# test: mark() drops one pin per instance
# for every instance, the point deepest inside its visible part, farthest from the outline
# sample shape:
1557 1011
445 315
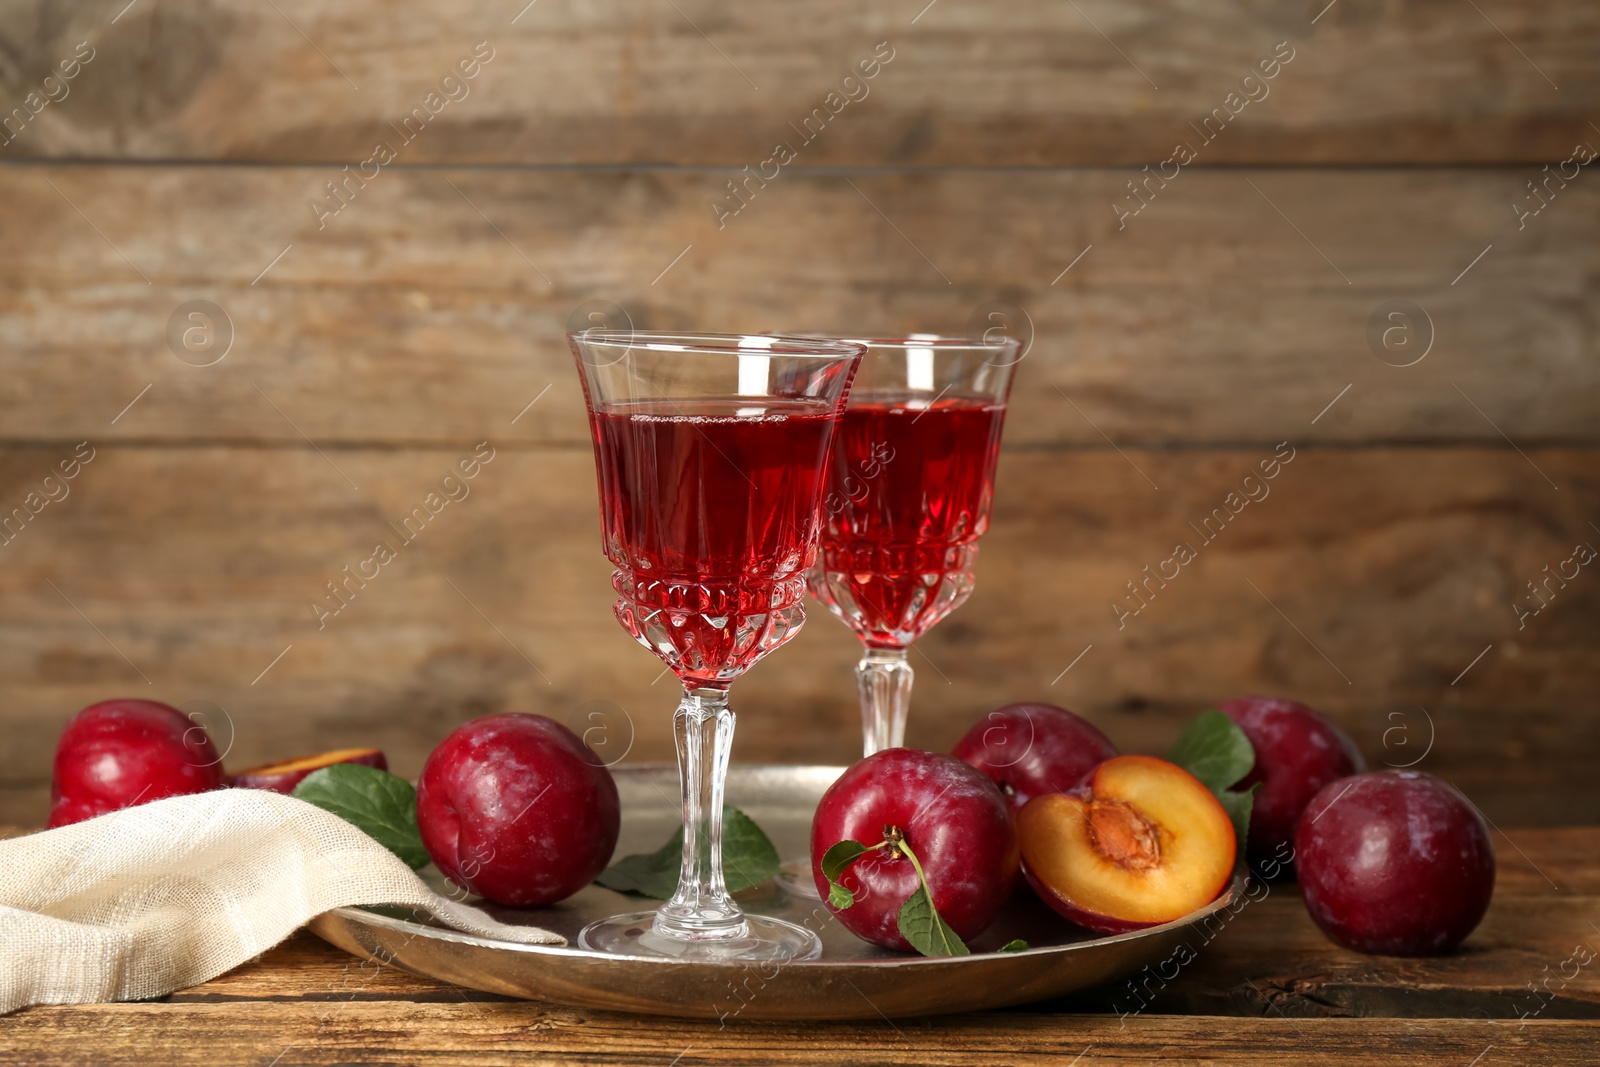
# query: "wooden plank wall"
1183 331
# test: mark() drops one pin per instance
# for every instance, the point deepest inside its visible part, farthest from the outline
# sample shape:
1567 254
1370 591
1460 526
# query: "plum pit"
1124 836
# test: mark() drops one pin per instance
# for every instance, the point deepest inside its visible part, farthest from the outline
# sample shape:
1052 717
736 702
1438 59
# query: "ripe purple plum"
1396 863
1030 750
518 809
1298 751
119 753
953 818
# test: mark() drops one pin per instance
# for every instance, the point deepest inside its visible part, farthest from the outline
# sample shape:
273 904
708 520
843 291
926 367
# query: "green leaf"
748 858
748 855
921 924
380 804
1214 750
1217 752
840 856
648 874
834 861
1238 806
1018 945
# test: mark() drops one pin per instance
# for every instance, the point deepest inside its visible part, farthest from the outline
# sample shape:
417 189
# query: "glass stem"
884 678
701 909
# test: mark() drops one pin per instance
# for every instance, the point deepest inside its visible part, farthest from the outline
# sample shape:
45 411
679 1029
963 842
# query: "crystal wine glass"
912 478
711 453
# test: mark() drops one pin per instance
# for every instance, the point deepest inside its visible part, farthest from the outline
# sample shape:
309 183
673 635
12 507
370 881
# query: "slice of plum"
283 776
1143 842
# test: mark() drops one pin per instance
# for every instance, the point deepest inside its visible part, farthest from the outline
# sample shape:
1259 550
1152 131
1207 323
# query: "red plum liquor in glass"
710 452
911 482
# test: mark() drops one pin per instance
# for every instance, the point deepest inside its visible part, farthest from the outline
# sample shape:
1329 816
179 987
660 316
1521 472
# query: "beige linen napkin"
169 894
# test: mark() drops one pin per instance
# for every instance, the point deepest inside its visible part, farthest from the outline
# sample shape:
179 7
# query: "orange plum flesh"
1142 843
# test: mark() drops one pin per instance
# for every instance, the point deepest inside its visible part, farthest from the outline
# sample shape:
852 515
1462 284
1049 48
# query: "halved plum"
1143 842
283 776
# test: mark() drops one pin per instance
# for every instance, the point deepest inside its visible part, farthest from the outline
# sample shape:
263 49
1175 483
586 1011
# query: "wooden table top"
1524 989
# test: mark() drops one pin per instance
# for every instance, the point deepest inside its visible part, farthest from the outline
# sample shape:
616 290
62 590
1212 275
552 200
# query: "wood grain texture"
433 306
1499 975
1526 960
1368 583
488 1033
1032 83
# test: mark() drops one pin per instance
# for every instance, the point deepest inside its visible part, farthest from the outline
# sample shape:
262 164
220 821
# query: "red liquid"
710 512
909 497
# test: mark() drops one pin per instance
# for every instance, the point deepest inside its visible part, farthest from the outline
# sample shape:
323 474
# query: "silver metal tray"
852 980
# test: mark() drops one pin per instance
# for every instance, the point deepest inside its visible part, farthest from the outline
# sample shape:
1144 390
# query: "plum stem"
905 847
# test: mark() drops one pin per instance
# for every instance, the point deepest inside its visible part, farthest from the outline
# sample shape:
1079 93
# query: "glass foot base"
633 934
795 879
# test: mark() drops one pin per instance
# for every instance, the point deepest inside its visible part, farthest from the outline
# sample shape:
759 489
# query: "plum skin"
1298 751
1032 749
517 809
1100 924
119 753
954 818
1395 863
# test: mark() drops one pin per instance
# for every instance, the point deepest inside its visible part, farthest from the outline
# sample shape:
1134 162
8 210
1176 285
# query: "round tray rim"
874 984
365 917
